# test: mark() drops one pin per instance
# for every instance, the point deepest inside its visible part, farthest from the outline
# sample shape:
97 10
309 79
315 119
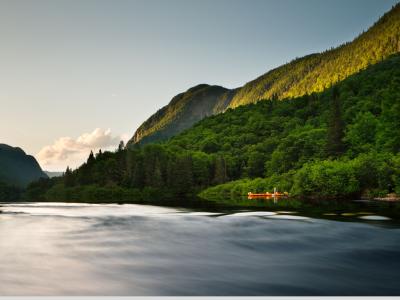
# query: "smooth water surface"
110 249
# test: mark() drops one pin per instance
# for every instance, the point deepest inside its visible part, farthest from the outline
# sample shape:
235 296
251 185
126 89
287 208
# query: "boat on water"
275 194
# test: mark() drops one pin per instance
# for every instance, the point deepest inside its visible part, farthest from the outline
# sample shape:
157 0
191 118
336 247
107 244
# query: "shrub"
326 179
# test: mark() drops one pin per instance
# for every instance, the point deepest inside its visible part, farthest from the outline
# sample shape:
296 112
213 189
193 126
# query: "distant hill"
18 168
53 174
312 73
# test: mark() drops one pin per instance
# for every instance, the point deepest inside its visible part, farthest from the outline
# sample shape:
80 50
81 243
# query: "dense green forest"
304 75
9 192
316 72
341 143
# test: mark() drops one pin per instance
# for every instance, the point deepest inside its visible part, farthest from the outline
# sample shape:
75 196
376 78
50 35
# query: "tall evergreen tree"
180 175
68 178
156 179
121 146
335 145
138 176
220 174
91 158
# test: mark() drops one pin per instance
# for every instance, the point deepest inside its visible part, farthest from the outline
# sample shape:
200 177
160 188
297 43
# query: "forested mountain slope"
317 72
312 73
343 142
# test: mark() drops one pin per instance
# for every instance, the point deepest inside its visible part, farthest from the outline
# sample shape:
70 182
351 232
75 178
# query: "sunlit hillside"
312 73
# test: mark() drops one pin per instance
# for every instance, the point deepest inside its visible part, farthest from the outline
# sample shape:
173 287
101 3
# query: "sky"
82 75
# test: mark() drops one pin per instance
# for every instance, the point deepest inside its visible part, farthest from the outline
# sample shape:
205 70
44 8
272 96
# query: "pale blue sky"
68 67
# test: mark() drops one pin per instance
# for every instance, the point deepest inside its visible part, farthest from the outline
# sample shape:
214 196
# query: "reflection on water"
88 249
375 218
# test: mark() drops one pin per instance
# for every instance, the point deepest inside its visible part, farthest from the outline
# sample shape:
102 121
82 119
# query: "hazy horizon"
84 75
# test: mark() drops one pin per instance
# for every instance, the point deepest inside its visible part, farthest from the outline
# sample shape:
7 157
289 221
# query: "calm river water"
90 249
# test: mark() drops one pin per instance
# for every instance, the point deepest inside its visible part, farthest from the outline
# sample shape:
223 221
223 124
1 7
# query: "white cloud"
126 137
67 151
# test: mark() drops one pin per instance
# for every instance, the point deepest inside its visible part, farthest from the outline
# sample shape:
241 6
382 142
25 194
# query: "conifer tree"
156 179
68 178
220 175
335 146
121 146
91 158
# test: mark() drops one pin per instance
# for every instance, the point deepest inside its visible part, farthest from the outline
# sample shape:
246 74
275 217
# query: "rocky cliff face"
182 112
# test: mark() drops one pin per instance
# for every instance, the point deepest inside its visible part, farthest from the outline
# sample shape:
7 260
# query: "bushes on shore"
368 175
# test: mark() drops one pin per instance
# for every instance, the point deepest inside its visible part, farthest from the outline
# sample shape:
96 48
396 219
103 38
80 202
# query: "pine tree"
335 145
180 177
121 146
156 179
138 177
68 178
91 158
220 175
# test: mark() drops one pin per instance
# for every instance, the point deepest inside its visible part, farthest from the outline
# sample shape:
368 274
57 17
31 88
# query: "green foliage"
220 172
316 72
302 76
239 188
260 146
396 174
92 193
370 174
9 192
366 165
361 135
334 145
296 149
326 179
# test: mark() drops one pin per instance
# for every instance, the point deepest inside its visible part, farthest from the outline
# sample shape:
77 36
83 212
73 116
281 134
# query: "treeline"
368 175
343 142
10 192
153 173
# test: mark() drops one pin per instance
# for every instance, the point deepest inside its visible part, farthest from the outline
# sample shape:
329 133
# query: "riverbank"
389 198
345 210
319 208
220 201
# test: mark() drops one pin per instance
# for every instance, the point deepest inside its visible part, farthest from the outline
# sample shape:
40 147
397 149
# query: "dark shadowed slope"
182 112
18 168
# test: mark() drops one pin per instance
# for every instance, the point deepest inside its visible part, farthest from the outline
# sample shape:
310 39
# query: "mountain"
312 73
343 142
18 168
316 72
182 112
